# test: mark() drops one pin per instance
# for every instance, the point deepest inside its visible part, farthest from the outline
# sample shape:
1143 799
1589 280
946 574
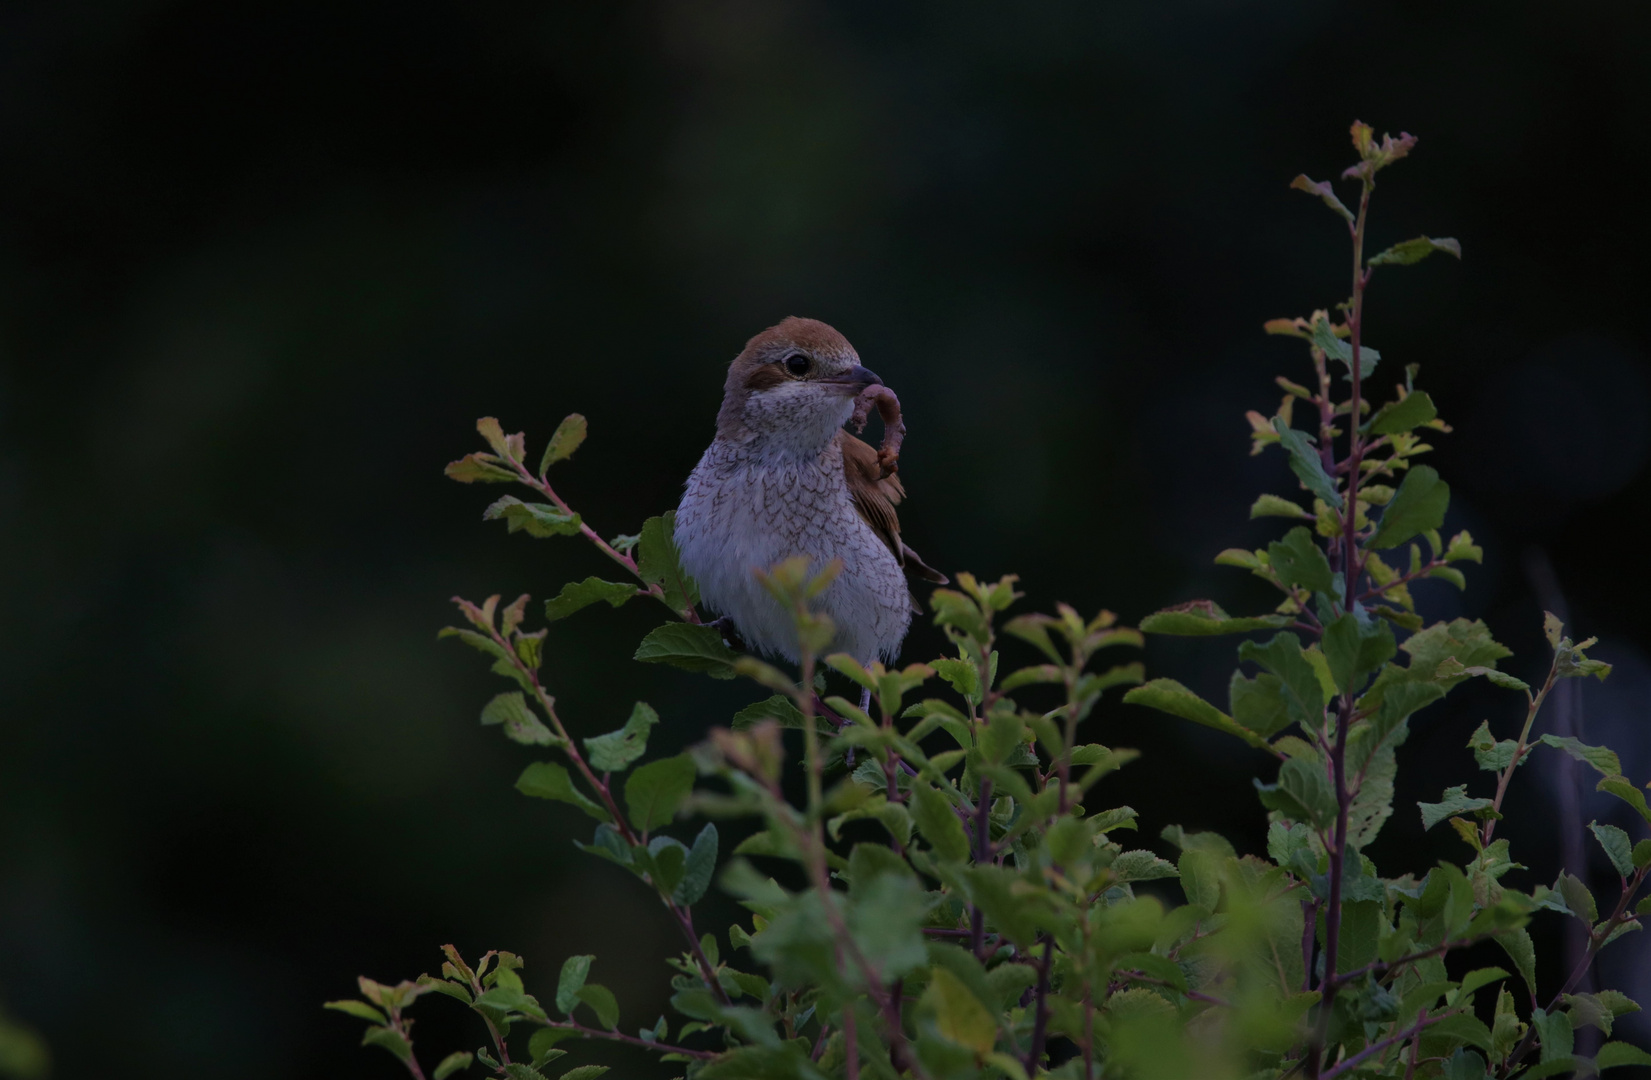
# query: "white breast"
752 504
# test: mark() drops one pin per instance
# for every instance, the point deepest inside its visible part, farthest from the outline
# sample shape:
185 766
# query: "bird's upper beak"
854 380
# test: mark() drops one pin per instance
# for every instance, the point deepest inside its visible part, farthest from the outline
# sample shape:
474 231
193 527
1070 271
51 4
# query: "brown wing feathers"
875 497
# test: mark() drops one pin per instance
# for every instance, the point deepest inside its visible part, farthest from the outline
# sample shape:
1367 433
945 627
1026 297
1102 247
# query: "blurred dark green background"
262 265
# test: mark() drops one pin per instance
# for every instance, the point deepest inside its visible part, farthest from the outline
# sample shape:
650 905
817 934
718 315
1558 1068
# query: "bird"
784 478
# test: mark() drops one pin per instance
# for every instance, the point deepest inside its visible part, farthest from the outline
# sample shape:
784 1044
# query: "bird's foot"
730 634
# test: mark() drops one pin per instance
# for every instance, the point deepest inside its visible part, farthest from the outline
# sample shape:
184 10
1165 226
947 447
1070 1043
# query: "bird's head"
795 382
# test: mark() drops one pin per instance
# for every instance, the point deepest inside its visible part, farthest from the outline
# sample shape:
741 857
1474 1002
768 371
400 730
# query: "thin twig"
619 1036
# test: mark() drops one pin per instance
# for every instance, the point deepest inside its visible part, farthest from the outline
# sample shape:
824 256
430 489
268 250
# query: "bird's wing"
875 497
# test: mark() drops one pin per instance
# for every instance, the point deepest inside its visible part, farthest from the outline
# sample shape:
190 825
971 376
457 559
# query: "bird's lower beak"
855 379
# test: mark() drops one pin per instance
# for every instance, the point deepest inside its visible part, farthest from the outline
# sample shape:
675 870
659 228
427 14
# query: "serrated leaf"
939 825
1337 349
615 751
535 519
569 434
1355 649
1299 685
479 468
577 595
1618 847
390 1039
1454 801
1602 758
1322 189
457 1061
1302 793
575 969
1616 1054
585 1072
1205 618
1407 252
1417 506
1623 788
1492 754
1167 695
520 723
1411 411
1298 560
1478 978
602 1003
699 868
1142 865
1306 464
958 1014
1517 944
358 1009
655 790
689 647
659 563
1277 506
548 780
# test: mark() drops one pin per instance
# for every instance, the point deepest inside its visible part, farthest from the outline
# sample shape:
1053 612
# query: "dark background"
262 265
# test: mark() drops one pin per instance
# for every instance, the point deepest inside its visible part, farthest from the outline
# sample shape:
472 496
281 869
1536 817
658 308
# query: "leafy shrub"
986 920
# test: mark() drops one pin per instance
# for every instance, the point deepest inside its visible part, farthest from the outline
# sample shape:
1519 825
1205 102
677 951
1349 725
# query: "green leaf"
1466 641
576 595
1464 1064
571 981
536 519
1204 618
1337 349
778 708
1554 1031
479 468
689 647
520 723
358 1009
1491 754
700 867
1303 793
1622 788
390 1039
1480 977
569 434
1615 1054
1517 944
1618 847
1298 561
1411 411
960 674
1642 854
1602 758
585 1072
1142 865
939 824
655 790
1277 506
1455 801
457 1061
548 780
1322 189
1257 704
659 563
1299 687
958 1014
1414 251
1356 648
1167 695
615 751
602 1003
1306 464
1418 505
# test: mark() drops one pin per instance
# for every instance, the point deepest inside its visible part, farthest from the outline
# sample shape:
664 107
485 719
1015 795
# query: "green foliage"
955 904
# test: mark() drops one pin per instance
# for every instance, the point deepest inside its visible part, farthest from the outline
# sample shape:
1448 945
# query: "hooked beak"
854 380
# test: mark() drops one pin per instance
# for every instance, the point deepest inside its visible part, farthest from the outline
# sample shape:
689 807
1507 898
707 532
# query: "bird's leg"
730 633
865 707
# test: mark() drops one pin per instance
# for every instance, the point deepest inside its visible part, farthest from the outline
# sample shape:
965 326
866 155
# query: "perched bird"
784 478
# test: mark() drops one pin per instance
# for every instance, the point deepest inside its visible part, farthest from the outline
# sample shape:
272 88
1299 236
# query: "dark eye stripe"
765 377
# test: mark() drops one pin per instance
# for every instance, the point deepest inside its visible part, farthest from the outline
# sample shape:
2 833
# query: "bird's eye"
797 364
